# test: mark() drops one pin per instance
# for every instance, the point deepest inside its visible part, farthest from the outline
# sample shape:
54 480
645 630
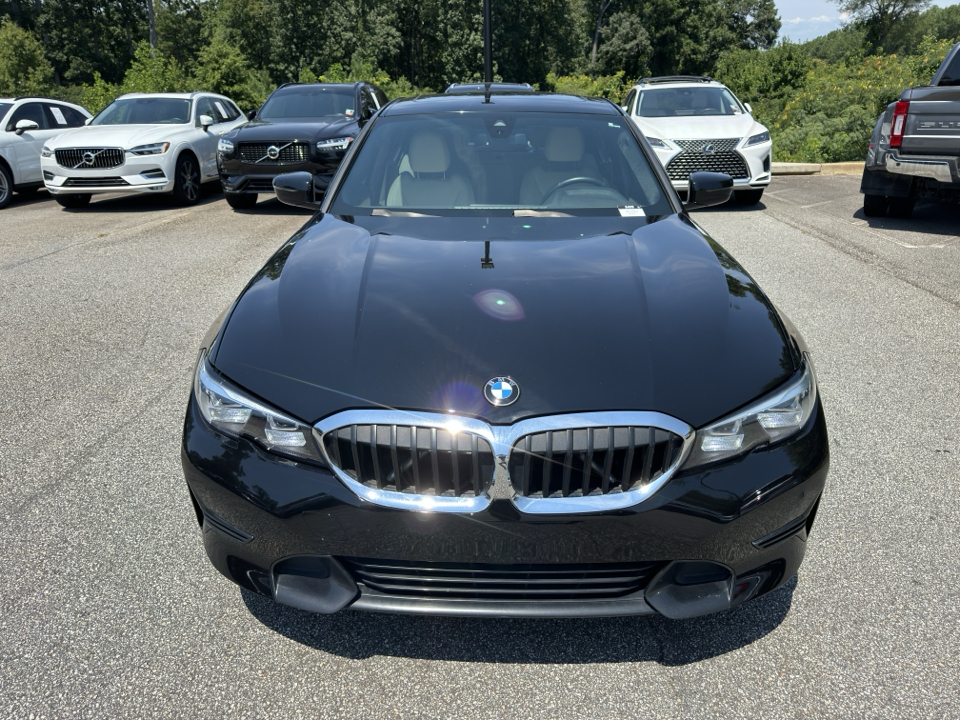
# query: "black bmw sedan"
502 372
305 127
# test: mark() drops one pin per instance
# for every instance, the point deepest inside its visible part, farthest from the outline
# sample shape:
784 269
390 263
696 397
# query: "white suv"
695 123
141 143
26 123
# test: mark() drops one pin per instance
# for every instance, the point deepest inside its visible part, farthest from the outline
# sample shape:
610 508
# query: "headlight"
774 418
757 139
232 412
46 152
335 143
657 143
154 149
224 146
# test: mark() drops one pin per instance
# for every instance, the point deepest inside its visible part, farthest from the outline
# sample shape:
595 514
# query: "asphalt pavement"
109 607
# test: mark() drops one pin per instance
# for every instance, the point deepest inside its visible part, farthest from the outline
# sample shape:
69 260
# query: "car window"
628 103
496 163
61 116
225 109
205 107
382 98
145 111
28 111
952 74
687 100
307 102
4 107
368 105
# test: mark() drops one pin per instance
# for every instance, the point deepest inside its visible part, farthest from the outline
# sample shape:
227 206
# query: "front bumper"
756 158
244 177
147 174
295 533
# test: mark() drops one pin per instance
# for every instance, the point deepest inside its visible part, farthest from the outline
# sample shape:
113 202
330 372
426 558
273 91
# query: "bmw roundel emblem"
501 391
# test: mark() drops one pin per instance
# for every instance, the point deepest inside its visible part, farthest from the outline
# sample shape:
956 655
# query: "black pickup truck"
915 147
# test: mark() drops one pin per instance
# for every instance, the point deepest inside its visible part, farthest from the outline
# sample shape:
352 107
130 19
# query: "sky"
806 19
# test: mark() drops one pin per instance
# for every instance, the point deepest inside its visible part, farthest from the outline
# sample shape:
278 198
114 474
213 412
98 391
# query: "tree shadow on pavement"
646 638
140 202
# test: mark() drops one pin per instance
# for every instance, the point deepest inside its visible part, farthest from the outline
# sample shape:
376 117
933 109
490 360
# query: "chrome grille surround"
723 158
284 153
98 158
502 439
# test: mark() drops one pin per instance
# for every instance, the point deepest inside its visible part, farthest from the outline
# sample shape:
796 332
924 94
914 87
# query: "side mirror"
205 121
88 121
251 114
296 189
749 109
708 189
25 125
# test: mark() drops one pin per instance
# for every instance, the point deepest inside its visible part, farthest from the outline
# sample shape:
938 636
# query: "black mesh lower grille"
259 185
591 461
480 581
419 460
723 161
95 182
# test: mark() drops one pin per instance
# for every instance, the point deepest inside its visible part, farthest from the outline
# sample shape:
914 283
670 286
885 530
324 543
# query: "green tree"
222 68
624 46
880 17
23 68
151 72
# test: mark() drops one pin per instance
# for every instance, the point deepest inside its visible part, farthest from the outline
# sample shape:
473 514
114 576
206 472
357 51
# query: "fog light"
686 589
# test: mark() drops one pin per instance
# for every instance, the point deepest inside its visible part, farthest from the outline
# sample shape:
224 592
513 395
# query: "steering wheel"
572 181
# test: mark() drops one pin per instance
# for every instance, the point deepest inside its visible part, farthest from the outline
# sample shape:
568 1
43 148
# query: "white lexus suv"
141 143
695 123
26 123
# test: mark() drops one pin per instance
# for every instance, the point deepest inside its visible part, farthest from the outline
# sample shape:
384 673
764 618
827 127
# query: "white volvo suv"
141 143
26 123
695 123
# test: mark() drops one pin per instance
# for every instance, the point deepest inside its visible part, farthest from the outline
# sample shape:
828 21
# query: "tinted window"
145 111
497 163
628 103
952 74
309 101
226 109
205 107
3 108
28 111
682 101
63 116
369 105
381 96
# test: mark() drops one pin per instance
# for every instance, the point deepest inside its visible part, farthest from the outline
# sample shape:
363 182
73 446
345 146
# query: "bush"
609 86
23 68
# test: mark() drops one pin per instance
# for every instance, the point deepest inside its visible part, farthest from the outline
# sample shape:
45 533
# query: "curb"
843 168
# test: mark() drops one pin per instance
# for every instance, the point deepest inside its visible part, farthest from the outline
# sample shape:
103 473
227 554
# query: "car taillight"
899 123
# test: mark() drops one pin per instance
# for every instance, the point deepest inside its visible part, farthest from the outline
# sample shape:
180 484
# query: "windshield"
144 111
682 101
501 163
308 102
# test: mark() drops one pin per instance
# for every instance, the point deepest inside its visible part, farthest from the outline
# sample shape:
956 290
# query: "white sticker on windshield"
58 114
223 113
631 211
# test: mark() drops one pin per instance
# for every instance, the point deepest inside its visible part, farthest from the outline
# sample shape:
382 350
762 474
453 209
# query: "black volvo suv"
300 127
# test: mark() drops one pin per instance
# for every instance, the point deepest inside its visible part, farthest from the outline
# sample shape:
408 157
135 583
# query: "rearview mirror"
25 125
206 121
708 189
297 189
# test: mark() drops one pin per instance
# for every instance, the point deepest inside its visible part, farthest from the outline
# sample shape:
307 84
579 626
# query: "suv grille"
591 461
288 153
478 581
723 159
418 460
89 158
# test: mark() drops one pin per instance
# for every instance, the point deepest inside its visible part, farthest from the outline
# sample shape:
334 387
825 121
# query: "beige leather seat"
564 156
428 184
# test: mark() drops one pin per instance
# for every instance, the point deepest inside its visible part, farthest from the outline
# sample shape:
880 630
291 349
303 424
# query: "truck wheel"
874 205
73 201
747 197
902 207
241 201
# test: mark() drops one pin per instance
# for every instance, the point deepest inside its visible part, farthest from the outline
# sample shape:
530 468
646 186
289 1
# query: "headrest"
564 144
428 153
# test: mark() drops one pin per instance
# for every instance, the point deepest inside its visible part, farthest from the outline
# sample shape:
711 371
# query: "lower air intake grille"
709 156
476 581
90 157
95 182
591 461
418 460
259 185
283 153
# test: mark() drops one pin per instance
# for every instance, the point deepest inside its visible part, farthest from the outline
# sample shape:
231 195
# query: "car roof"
290 86
515 102
36 97
675 81
176 96
490 87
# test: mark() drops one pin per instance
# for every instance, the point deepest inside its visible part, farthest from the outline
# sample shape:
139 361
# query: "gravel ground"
109 608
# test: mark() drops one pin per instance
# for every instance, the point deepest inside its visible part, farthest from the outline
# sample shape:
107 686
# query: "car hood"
125 136
707 127
268 131
660 318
